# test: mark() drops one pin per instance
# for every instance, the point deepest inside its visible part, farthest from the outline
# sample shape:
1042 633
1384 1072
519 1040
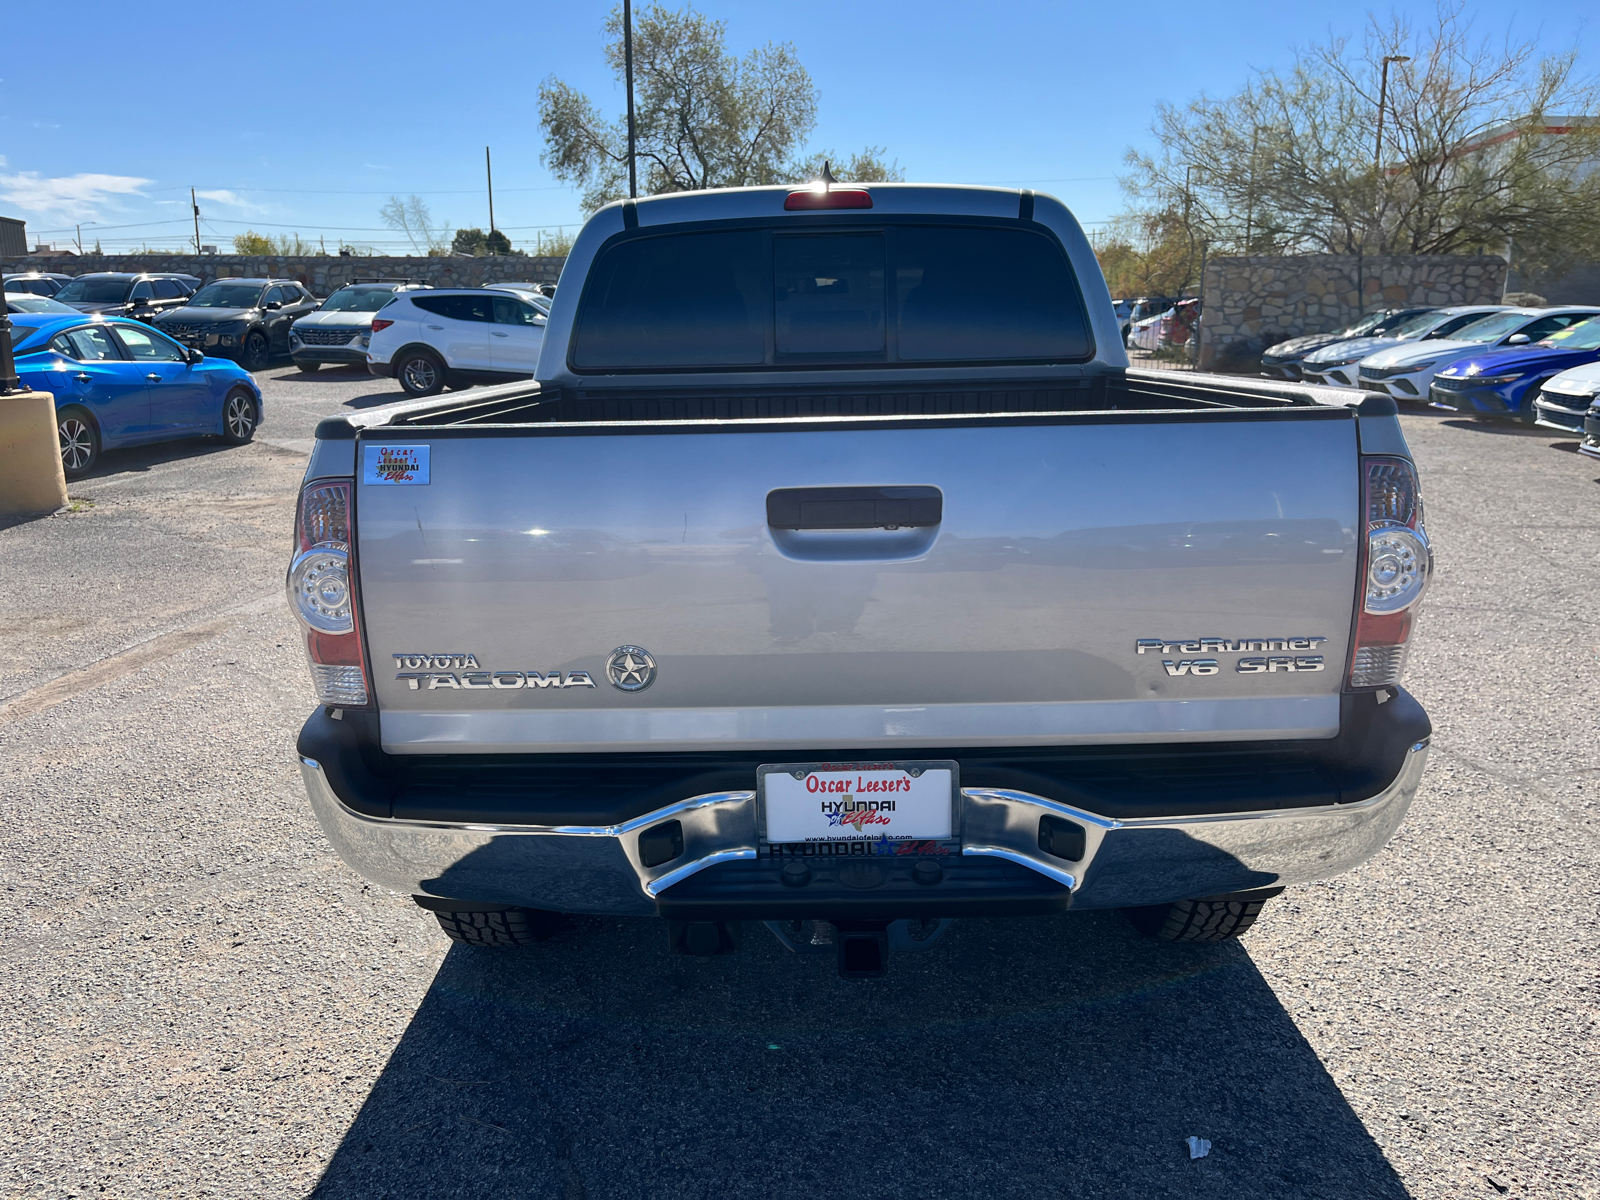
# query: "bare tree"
1482 142
703 118
412 218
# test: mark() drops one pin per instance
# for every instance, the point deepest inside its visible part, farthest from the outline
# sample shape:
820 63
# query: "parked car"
39 283
1142 309
1406 371
128 294
118 382
246 320
338 331
1565 400
1335 363
21 302
1591 432
1282 359
1502 383
528 291
695 627
455 336
1171 328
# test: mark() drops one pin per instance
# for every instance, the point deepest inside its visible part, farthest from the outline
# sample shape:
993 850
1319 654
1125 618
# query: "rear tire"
1214 920
420 374
80 442
504 927
309 367
238 417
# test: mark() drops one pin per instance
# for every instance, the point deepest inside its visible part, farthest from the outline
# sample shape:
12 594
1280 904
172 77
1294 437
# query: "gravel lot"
204 1002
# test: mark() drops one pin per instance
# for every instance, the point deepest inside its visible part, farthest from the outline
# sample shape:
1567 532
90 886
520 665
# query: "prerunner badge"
870 802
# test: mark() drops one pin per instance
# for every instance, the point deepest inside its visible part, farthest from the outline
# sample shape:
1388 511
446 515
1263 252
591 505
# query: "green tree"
557 244
1147 254
290 245
704 118
251 242
470 241
1289 164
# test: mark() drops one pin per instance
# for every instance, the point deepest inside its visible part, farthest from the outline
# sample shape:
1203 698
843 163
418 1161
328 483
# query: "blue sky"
306 117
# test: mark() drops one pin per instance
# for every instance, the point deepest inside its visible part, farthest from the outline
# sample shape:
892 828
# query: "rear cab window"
830 296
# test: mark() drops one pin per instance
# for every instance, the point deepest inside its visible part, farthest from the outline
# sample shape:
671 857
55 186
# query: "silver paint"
1014 625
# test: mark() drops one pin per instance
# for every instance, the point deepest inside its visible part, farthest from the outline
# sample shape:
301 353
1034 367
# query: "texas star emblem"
631 668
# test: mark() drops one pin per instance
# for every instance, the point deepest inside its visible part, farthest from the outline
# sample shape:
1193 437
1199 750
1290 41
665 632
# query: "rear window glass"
457 308
906 294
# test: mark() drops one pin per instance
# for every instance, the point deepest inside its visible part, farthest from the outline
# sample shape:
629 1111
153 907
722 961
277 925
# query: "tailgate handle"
855 507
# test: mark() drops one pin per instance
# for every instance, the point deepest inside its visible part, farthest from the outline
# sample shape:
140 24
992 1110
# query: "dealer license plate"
882 802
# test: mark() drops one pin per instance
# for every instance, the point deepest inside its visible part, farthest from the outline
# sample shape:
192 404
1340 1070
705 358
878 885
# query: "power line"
384 192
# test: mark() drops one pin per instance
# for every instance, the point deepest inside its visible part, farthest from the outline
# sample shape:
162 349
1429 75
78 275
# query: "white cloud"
230 198
71 197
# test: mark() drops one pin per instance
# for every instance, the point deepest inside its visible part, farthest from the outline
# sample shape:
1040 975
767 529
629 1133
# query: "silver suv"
338 331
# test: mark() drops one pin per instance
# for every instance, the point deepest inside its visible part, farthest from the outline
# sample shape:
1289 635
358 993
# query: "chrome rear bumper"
598 869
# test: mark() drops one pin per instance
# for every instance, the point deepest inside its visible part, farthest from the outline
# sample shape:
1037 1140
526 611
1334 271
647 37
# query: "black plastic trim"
1132 416
754 890
1162 780
335 429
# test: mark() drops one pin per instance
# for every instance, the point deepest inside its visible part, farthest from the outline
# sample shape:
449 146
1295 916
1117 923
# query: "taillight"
320 593
377 324
812 198
1396 562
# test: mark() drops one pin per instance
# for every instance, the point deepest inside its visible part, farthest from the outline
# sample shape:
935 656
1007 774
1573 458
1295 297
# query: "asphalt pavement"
201 1000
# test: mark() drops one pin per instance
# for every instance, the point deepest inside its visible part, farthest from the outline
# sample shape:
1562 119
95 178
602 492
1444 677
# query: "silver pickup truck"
837 573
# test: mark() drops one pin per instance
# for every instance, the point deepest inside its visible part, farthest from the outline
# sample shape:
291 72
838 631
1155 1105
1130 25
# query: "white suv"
455 336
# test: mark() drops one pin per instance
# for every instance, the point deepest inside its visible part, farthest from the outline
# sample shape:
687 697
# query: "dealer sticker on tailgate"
394 464
856 802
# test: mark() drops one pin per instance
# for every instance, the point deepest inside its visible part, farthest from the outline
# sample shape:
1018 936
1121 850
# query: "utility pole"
195 204
1250 198
1383 100
80 241
627 66
488 171
1377 162
1188 229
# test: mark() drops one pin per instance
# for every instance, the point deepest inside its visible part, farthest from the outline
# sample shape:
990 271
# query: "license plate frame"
922 833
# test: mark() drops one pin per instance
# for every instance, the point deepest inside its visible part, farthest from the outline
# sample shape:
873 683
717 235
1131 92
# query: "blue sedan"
1503 383
118 382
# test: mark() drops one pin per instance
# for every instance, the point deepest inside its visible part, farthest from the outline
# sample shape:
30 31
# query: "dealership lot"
204 1001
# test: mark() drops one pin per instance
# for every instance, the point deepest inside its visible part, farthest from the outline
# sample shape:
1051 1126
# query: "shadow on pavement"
327 374
142 458
1052 1056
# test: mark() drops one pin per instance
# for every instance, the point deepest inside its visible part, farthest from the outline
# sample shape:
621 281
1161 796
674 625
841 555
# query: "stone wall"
321 273
1572 281
1250 303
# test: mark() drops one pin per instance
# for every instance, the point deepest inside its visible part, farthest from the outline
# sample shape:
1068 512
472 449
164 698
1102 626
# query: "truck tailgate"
916 582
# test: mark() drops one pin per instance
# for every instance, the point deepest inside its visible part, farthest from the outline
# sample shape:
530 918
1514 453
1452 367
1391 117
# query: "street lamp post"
1383 100
1377 164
